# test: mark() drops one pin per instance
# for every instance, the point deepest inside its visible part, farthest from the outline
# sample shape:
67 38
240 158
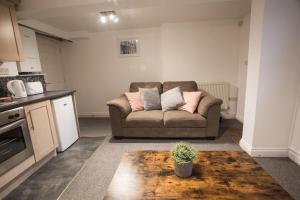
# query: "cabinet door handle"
32 126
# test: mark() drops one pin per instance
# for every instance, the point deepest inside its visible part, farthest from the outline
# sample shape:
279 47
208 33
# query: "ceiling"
82 15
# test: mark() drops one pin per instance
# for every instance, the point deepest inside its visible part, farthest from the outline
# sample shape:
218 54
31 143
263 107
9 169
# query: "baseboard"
294 156
264 152
270 152
93 115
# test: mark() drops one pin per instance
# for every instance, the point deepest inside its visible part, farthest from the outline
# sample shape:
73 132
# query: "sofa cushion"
150 98
135 101
146 119
191 100
185 86
134 86
183 119
171 99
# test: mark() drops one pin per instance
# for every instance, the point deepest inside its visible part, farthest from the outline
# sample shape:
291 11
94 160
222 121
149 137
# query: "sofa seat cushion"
146 119
183 119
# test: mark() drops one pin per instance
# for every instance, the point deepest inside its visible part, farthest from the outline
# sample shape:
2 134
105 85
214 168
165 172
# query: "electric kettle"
16 88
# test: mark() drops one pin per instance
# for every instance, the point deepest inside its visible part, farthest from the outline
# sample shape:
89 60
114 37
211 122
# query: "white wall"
201 51
294 144
94 68
242 71
206 51
273 77
254 54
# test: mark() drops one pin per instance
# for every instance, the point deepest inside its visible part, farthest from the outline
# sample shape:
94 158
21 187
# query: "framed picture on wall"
129 47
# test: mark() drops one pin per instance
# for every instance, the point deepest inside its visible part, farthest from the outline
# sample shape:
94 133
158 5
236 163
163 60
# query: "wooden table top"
216 175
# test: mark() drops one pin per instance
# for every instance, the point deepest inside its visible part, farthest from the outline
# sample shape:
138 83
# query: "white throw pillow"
171 99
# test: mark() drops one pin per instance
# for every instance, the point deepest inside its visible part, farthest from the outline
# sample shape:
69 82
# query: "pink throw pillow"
191 100
135 101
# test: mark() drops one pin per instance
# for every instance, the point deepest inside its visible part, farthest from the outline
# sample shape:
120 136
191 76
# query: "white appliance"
66 125
16 88
33 88
31 61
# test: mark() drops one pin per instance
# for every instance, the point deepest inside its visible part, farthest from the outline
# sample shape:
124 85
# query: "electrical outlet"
4 71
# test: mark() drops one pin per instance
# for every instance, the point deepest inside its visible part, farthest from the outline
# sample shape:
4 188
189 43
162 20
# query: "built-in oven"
15 143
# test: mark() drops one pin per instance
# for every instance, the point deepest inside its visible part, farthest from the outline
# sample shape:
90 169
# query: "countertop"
49 95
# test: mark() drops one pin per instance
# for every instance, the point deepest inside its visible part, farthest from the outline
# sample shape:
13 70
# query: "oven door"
15 145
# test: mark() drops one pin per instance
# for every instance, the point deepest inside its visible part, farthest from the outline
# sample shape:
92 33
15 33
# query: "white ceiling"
81 15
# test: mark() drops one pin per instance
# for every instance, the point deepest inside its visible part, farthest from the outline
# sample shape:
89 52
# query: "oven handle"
11 126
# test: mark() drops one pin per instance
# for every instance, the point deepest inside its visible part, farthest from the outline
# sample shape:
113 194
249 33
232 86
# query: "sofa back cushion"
134 86
185 86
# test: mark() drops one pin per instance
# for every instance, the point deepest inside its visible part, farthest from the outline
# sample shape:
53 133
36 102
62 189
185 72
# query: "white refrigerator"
65 119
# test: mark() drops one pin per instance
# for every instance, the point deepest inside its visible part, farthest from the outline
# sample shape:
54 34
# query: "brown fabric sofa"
171 124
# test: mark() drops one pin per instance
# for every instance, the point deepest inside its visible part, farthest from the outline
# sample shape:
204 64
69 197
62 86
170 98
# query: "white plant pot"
183 170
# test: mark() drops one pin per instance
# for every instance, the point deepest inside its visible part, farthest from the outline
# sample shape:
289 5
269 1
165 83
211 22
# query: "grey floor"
94 177
51 179
93 180
94 127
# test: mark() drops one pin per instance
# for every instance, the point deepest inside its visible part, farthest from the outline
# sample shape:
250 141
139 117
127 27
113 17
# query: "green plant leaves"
183 153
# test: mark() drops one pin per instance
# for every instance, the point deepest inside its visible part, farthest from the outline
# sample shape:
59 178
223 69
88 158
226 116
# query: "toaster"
33 88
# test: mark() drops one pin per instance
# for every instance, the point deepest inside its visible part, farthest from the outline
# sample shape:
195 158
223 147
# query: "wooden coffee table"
216 175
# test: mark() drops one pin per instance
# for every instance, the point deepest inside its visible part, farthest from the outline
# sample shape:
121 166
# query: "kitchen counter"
34 99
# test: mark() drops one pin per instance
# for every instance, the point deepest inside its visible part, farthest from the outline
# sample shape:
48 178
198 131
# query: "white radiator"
219 90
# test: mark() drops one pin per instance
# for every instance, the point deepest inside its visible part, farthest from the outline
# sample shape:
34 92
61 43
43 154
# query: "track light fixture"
106 16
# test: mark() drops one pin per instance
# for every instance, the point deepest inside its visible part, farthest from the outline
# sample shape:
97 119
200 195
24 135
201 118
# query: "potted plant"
183 155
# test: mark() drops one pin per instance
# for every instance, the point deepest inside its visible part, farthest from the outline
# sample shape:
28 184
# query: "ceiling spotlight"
112 16
103 19
106 16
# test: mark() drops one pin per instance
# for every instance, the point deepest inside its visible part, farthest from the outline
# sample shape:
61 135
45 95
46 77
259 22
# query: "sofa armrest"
207 102
122 104
213 121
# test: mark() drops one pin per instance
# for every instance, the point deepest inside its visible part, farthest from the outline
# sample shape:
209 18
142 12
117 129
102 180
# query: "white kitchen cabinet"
31 62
